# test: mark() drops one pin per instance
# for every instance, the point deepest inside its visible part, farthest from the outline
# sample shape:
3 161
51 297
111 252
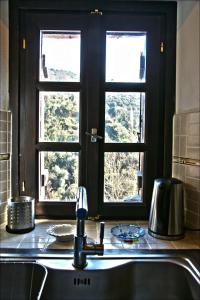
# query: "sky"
122 55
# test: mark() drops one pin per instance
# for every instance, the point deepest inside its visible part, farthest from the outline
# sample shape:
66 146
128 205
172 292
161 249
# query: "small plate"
62 232
128 232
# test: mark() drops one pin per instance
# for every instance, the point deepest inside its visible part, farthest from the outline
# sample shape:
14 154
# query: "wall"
186 143
4 54
5 116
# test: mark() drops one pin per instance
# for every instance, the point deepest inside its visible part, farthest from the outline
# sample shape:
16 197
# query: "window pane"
59 117
58 175
125 56
123 176
60 56
124 117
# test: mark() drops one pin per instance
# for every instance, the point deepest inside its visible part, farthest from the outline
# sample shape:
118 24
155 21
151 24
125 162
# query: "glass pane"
58 175
125 56
123 176
59 117
60 56
124 117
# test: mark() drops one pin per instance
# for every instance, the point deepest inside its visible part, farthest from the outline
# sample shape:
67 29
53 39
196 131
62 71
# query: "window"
95 105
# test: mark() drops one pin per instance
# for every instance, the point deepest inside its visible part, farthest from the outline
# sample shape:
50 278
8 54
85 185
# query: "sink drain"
82 281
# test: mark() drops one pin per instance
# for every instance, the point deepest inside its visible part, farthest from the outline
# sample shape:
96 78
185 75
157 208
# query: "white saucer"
62 232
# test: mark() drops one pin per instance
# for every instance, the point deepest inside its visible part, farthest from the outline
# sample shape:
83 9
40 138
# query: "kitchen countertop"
41 248
40 239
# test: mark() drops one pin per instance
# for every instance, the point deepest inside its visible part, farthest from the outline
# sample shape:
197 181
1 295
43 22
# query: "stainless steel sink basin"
143 277
123 279
21 280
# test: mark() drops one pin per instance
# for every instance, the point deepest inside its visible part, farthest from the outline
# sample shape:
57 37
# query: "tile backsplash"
5 152
186 163
39 238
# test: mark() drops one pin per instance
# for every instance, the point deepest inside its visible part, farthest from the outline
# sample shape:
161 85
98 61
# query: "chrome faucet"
81 247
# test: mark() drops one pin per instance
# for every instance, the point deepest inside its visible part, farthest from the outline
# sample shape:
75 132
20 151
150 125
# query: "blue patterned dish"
128 232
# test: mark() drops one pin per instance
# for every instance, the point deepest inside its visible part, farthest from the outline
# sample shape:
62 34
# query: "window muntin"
59 117
60 56
125 56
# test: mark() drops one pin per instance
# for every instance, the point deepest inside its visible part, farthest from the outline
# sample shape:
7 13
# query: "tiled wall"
5 146
186 163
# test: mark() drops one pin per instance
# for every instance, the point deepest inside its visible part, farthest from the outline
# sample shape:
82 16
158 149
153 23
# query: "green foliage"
61 124
61 75
61 117
63 175
120 175
122 117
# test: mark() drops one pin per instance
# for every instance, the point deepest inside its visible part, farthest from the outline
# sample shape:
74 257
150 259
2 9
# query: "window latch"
23 186
162 47
96 12
23 43
94 137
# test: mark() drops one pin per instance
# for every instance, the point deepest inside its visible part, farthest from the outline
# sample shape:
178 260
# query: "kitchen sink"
21 280
122 279
50 276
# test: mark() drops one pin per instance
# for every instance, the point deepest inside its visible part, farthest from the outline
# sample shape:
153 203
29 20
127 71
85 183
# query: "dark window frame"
166 9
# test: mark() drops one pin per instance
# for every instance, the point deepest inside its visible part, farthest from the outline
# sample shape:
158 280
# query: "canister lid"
22 199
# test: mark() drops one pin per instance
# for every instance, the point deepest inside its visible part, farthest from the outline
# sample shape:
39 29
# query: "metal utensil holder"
21 214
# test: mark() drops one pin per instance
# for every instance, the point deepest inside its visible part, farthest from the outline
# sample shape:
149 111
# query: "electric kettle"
166 219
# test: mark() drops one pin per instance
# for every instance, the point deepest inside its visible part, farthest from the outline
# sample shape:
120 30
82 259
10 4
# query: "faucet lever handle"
101 236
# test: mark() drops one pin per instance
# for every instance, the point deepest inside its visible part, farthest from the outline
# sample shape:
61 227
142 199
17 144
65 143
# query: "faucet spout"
81 247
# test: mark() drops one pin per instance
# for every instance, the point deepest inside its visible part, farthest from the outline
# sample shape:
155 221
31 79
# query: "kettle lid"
168 181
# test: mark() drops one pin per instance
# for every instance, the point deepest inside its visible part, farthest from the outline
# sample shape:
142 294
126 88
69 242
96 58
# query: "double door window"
91 111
